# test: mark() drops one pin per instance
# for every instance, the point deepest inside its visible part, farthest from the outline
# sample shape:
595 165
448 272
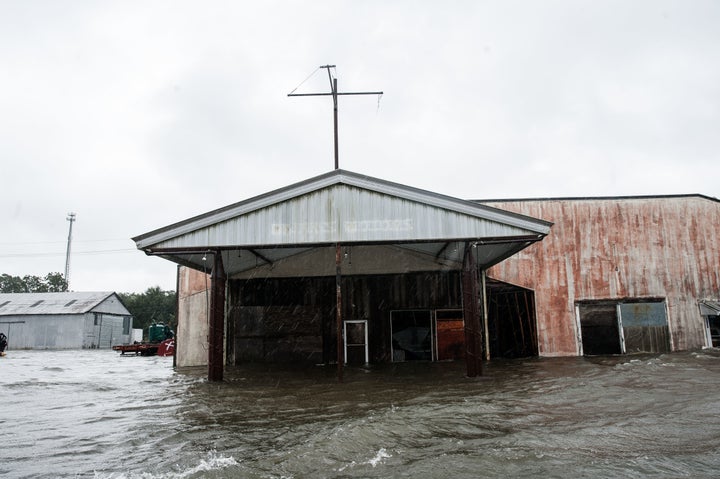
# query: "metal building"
615 275
339 268
89 320
619 274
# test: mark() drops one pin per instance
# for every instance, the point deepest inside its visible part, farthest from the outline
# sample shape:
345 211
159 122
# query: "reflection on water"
98 414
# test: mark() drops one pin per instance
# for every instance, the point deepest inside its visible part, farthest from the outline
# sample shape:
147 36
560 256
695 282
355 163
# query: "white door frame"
345 336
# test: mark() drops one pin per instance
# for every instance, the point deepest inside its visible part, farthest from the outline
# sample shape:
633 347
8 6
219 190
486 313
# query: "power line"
59 253
17 243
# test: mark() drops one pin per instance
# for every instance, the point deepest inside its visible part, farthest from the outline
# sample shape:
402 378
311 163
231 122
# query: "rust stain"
617 248
192 282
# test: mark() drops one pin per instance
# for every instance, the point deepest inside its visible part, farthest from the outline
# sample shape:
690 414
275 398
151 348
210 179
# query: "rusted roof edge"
602 198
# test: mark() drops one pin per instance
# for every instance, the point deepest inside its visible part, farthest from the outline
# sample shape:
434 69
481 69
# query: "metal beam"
262 257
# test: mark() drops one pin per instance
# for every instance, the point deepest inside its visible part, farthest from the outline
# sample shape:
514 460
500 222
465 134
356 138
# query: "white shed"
84 320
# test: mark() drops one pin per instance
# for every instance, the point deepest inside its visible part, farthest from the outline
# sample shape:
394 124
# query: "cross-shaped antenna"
335 93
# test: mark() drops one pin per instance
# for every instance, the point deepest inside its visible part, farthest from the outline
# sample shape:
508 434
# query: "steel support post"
217 319
338 311
471 313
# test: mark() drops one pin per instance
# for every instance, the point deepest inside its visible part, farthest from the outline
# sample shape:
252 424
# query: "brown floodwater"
98 414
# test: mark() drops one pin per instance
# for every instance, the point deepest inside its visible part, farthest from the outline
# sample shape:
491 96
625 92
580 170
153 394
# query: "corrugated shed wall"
662 247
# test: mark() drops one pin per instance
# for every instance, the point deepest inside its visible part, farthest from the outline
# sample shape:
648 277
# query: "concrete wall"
192 331
661 247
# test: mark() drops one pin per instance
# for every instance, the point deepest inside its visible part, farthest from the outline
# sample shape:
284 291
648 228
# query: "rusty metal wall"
616 248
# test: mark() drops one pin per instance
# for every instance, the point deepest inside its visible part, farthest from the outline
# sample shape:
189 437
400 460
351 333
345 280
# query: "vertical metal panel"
343 214
643 314
645 327
661 247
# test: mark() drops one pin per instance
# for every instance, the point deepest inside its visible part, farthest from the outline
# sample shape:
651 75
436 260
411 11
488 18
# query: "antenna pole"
335 117
335 93
71 219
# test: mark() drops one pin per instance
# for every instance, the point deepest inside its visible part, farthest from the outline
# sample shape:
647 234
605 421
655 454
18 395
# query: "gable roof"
17 304
308 213
341 207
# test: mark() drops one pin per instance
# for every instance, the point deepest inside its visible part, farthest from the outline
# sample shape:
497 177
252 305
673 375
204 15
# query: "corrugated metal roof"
16 304
347 208
342 206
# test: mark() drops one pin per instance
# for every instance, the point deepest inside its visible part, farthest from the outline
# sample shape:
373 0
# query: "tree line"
155 305
51 283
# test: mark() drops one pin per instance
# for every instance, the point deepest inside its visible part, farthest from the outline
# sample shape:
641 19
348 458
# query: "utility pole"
338 257
71 219
335 93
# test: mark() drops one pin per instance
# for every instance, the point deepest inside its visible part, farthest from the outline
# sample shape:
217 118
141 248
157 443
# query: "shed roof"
346 208
18 304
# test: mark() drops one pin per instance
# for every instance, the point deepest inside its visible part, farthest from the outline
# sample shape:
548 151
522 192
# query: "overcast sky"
135 115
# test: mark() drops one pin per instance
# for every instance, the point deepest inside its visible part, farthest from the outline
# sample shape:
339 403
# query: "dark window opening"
411 335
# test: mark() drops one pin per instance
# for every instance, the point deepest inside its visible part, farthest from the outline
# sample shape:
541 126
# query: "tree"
152 306
56 282
51 283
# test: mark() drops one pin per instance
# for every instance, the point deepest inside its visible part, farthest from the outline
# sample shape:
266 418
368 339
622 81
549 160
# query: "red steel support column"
471 314
338 312
217 320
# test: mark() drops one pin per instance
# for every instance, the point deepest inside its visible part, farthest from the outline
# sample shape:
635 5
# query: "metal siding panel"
328 182
643 314
619 248
343 214
45 332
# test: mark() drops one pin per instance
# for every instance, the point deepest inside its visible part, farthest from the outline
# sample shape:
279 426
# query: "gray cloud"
137 114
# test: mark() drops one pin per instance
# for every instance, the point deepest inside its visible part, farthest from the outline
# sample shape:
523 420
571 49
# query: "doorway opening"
599 329
512 325
713 326
356 342
629 326
411 333
449 334
710 310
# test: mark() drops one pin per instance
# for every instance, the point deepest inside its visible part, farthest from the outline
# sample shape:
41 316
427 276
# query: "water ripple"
95 414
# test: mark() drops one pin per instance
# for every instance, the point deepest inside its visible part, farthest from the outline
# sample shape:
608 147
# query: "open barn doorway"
600 328
512 325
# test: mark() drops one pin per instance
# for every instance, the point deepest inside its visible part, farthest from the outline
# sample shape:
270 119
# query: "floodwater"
101 415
